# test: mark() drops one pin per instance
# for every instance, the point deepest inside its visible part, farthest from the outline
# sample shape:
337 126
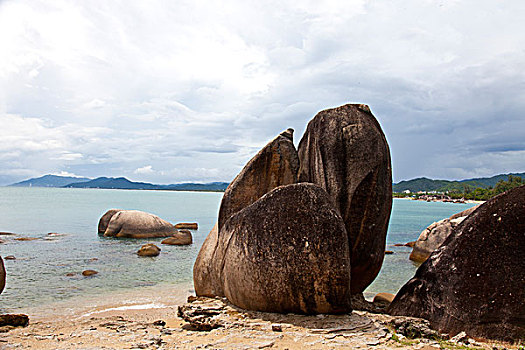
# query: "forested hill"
426 184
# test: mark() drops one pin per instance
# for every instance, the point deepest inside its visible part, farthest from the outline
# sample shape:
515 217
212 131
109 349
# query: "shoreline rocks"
474 282
340 176
187 225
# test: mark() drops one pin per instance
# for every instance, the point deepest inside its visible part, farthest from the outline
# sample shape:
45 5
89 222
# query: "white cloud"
194 88
144 170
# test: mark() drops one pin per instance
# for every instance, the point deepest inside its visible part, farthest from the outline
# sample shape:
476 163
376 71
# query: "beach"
151 321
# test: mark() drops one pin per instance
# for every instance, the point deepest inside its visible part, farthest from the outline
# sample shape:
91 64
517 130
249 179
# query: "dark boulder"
2 275
475 282
104 220
287 252
138 224
14 320
345 152
276 164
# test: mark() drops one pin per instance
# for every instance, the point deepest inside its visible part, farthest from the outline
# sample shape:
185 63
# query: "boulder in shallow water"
345 152
138 224
187 225
149 249
286 252
104 220
435 234
88 273
183 237
274 165
474 282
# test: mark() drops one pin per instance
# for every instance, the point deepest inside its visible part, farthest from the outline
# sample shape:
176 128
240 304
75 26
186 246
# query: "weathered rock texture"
475 282
137 224
2 275
183 237
275 165
435 234
205 275
104 220
345 152
287 252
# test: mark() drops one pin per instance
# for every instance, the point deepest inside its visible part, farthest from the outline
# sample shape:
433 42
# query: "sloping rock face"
276 164
104 220
475 282
2 275
138 224
287 252
345 152
434 235
205 273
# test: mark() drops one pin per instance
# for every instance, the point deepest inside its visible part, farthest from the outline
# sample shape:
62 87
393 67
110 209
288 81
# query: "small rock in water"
187 225
26 239
89 272
70 274
149 249
387 252
10 257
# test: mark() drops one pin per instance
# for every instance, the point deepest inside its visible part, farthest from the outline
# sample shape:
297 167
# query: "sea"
64 222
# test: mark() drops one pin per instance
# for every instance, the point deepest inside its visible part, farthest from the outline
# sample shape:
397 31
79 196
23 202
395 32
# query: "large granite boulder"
2 275
276 164
138 224
475 282
286 252
345 152
435 234
104 220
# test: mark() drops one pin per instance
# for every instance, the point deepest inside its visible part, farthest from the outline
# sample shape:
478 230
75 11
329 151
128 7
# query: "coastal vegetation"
468 191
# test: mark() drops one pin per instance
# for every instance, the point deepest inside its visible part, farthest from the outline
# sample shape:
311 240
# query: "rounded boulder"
183 237
286 252
138 224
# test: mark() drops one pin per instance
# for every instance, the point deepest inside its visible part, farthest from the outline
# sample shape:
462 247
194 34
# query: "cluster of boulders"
303 230
138 224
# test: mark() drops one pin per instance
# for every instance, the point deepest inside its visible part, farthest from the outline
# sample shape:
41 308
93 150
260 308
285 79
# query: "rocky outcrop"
287 252
137 224
275 165
183 237
2 275
149 249
88 273
435 234
474 282
104 220
345 152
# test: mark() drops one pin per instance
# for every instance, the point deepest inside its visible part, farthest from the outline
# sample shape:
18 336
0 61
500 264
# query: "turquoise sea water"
38 275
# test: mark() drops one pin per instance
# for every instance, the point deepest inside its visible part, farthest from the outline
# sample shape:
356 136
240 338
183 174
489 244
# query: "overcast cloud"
175 91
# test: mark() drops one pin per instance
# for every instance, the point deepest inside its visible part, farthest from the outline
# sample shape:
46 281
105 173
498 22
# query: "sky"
188 91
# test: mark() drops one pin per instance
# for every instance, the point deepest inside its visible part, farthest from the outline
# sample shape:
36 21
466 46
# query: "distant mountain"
50 181
425 184
125 184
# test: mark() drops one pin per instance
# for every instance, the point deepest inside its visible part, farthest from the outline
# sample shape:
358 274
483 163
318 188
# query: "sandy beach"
150 319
